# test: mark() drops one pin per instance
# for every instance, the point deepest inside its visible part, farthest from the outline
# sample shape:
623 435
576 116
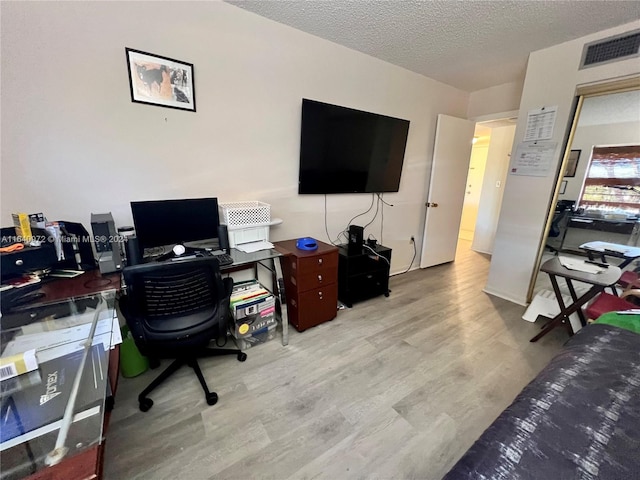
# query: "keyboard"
223 258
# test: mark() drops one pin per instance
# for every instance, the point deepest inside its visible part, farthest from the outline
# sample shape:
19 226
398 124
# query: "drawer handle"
319 261
320 295
19 262
320 278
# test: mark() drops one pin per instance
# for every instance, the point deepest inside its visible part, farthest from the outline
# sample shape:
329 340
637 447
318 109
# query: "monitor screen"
343 150
169 222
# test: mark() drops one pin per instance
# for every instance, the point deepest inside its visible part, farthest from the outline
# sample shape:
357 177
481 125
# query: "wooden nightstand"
311 283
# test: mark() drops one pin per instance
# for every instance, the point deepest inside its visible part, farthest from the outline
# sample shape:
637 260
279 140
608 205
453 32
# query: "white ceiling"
469 44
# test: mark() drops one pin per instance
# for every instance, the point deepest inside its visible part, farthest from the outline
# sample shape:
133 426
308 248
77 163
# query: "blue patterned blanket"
578 419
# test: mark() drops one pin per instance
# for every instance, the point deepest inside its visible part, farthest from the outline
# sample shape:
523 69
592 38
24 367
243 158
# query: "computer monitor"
170 222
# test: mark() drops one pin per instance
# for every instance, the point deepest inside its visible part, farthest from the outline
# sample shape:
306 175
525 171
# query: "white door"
451 154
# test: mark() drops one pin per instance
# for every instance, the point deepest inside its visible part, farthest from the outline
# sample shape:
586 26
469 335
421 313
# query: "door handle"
430 204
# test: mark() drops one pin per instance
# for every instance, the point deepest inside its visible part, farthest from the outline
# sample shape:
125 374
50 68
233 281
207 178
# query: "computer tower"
356 237
107 242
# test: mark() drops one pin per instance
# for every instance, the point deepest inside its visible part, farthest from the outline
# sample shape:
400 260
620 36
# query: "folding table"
606 277
607 249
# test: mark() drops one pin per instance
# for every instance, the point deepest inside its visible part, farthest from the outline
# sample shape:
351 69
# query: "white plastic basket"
245 214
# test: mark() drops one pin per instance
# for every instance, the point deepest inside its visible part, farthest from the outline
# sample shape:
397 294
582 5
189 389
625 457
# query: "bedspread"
578 419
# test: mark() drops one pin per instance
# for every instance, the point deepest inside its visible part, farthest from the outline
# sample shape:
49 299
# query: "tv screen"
169 222
343 150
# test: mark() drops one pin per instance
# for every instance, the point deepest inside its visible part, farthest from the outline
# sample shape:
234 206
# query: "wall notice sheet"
533 159
540 124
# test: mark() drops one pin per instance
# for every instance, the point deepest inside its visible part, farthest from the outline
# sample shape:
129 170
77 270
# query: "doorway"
488 166
449 175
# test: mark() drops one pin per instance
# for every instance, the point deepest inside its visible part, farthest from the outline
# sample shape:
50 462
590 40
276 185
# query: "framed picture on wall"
160 81
572 163
563 187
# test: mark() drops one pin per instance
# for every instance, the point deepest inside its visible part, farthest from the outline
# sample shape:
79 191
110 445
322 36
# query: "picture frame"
563 187
572 163
160 81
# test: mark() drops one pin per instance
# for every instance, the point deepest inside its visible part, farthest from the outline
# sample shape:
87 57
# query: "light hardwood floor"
395 387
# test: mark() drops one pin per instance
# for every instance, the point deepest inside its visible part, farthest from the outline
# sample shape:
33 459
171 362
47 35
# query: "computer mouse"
307 243
179 249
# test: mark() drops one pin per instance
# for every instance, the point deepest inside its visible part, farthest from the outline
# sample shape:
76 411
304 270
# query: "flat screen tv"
343 150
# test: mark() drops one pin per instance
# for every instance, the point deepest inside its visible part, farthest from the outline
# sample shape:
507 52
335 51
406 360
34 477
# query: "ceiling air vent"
611 49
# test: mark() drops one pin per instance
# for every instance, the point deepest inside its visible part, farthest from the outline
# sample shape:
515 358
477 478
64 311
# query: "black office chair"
174 309
558 226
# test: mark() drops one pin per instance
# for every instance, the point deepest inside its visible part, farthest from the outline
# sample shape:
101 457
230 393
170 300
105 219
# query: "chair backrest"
556 223
176 303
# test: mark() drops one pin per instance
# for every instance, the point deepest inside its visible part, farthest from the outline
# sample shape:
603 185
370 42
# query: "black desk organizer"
363 275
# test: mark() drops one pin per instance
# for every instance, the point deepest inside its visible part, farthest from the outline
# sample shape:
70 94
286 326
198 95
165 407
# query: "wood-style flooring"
396 387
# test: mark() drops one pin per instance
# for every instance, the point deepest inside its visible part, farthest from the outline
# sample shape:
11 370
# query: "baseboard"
505 297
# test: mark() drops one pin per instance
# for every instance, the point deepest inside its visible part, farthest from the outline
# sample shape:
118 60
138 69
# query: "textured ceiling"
468 44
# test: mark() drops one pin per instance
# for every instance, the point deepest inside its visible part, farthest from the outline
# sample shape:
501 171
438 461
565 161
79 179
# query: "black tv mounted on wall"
343 150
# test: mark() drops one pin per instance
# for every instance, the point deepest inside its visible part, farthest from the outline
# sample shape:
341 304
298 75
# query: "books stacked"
253 311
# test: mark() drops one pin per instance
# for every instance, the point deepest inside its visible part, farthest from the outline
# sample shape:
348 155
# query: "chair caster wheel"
212 398
242 357
145 404
386 294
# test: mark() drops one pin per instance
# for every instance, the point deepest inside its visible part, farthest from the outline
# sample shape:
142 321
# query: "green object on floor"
132 362
626 321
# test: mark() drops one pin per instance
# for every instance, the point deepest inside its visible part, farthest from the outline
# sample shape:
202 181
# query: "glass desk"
52 418
269 260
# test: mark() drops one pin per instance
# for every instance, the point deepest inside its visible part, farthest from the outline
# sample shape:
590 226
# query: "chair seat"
607 302
177 324
629 278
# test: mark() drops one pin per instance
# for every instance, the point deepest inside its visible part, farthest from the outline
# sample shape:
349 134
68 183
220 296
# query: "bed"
578 419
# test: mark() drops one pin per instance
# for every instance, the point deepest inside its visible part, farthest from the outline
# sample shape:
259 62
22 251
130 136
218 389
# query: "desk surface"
33 404
612 249
241 259
607 277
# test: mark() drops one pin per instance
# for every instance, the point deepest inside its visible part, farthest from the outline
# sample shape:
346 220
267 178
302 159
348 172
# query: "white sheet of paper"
254 246
579 265
533 159
540 124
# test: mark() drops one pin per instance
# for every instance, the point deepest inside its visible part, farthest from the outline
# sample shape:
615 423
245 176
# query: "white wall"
493 188
551 80
473 190
73 142
492 100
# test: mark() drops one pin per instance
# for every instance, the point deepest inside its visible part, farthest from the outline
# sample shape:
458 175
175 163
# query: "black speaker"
356 236
132 248
223 238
